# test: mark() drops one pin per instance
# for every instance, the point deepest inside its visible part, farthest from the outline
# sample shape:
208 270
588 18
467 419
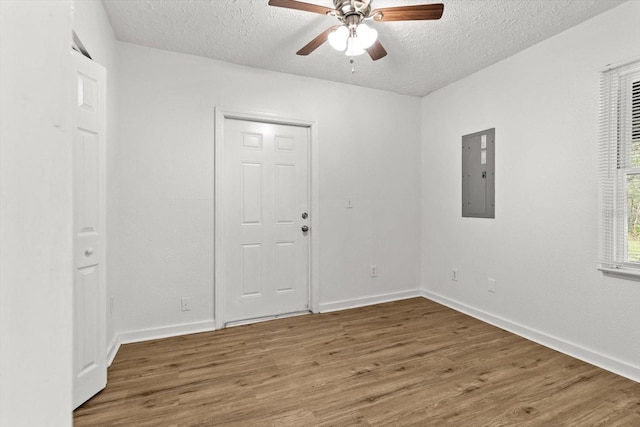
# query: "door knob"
88 252
305 228
304 215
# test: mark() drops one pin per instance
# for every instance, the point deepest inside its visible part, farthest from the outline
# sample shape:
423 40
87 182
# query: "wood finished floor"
411 362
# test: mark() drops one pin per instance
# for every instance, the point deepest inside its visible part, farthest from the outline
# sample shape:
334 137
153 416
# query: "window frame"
619 120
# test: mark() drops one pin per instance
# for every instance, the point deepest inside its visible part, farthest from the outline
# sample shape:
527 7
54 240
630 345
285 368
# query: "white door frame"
221 114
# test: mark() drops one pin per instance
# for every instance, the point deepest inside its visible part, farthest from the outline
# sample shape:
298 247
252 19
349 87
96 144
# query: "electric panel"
478 174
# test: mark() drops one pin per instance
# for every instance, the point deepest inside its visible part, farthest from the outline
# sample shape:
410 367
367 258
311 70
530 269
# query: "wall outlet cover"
186 303
491 285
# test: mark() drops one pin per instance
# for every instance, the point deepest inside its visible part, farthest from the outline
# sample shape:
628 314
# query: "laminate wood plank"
411 362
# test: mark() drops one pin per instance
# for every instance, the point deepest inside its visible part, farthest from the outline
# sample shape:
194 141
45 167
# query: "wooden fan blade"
376 51
298 5
315 43
409 13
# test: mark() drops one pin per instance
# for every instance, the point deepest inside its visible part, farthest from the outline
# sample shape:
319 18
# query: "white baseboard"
165 332
594 358
114 346
154 334
361 302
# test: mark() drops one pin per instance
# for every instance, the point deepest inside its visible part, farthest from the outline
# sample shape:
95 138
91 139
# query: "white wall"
542 246
35 213
369 149
92 26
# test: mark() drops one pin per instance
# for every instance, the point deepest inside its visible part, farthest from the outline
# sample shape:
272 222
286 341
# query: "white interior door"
89 293
265 208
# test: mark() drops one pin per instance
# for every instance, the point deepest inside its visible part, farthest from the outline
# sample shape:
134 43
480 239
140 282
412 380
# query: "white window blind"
619 168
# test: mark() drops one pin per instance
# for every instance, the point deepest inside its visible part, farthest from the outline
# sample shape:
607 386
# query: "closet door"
89 293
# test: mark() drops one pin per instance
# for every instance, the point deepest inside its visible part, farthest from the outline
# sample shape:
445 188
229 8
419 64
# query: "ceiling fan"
352 36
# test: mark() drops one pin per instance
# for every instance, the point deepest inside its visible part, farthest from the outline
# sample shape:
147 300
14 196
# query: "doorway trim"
221 114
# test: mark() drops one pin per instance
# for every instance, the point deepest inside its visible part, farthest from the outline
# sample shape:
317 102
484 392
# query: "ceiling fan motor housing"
352 12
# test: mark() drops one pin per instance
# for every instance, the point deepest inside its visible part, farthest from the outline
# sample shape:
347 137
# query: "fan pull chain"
353 67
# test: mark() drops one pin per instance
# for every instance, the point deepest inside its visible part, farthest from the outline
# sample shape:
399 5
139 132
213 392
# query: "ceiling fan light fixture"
338 38
354 48
366 35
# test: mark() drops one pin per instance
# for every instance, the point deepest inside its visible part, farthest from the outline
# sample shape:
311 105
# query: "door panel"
89 323
285 266
285 193
251 179
87 288
266 254
251 270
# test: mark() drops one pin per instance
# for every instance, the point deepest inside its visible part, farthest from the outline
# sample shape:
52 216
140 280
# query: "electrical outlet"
454 274
186 304
491 285
374 271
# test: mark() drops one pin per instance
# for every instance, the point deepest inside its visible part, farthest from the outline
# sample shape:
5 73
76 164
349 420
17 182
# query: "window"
620 167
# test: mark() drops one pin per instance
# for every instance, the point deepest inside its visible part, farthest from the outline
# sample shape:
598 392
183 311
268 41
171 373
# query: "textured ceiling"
423 55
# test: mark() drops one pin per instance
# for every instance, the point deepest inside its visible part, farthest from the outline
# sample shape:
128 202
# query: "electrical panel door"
478 174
